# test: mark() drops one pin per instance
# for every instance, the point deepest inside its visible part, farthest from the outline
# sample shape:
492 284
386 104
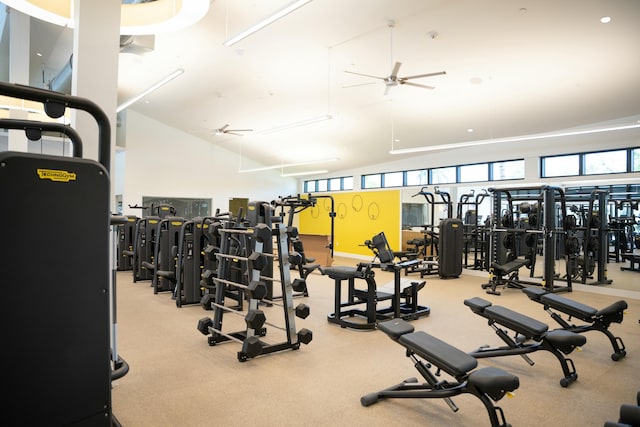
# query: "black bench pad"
524 325
565 340
510 266
534 293
342 272
569 306
615 308
444 356
493 381
395 328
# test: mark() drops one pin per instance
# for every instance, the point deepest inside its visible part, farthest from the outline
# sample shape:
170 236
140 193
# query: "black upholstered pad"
569 306
477 304
565 340
615 308
440 354
510 266
524 325
342 272
534 293
395 328
493 381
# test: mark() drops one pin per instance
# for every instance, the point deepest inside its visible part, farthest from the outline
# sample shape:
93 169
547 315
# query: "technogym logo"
56 175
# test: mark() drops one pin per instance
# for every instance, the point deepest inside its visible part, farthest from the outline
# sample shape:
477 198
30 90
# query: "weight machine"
508 231
476 234
70 383
591 232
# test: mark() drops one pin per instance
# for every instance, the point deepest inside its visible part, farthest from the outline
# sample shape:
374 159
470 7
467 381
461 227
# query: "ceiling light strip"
150 89
305 173
267 21
511 139
296 124
286 165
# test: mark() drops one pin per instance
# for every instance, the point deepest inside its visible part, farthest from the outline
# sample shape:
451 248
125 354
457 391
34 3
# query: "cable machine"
64 375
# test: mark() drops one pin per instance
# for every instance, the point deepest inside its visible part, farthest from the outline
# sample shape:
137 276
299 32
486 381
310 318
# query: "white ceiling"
513 67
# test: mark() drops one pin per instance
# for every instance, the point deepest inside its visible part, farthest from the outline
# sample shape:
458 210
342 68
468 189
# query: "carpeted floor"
177 379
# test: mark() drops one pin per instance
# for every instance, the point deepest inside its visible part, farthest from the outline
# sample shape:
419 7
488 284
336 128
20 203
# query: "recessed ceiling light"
38 54
470 130
605 19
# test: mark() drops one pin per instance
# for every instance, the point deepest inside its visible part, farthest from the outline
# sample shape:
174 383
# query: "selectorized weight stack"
126 234
56 316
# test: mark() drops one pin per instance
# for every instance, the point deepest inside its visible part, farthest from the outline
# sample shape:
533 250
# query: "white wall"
163 161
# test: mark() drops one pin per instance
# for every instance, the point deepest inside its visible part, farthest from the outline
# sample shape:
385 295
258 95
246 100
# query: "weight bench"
530 335
505 275
634 262
597 320
428 352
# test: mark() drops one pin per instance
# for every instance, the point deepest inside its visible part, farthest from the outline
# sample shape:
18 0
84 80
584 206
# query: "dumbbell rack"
235 245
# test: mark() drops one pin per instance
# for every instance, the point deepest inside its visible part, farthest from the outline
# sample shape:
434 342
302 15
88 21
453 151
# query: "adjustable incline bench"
598 320
526 329
505 275
428 352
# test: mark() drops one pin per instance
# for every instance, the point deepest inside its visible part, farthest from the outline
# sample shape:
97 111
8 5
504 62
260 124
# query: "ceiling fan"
393 79
224 130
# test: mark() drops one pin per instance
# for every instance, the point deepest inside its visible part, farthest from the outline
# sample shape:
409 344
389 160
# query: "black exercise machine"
144 243
430 353
505 275
63 375
533 224
361 309
530 335
126 234
165 254
597 320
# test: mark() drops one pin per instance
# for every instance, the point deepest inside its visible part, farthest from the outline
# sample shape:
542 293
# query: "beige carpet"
177 379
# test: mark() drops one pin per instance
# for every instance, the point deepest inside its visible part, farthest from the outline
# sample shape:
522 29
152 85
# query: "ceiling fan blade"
360 84
365 75
416 85
394 72
418 76
230 132
224 127
239 130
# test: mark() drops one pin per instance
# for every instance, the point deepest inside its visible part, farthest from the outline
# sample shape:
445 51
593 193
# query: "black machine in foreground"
59 311
428 352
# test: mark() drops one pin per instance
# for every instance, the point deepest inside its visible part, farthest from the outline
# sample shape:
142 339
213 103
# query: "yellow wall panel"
359 216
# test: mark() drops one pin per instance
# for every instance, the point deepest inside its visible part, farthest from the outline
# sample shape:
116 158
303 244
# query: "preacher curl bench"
530 335
597 320
427 352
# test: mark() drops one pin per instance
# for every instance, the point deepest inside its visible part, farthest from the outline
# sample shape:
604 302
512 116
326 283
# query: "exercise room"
320 213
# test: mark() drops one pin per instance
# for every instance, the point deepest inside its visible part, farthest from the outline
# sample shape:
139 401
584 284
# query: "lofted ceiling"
513 67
